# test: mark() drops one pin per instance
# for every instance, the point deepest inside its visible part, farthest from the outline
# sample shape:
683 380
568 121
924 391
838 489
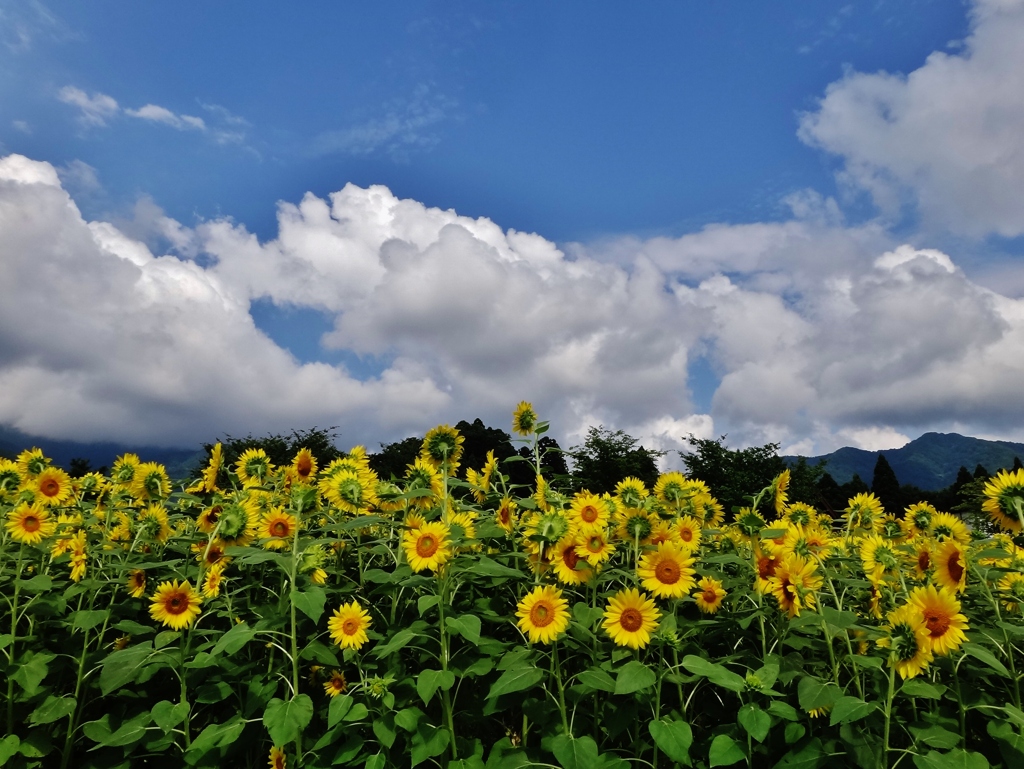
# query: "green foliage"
732 473
606 457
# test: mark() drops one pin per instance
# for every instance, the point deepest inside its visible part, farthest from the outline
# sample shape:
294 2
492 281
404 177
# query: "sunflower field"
306 616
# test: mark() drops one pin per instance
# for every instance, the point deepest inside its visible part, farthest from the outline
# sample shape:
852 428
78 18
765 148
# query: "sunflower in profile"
336 684
594 546
348 625
800 514
662 531
630 618
10 478
136 583
524 419
780 487
569 568
90 485
922 558
633 524
631 492
672 489
879 556
505 515
31 462
462 528
276 528
543 614
253 467
767 562
30 524
428 547
79 556
1004 499
175 604
304 466
237 521
389 497
350 490
153 523
421 476
918 519
709 595
807 541
213 467
589 510
908 641
892 528
794 584
667 572
277 758
942 618
1011 588
213 580
951 566
749 524
946 526
53 486
864 513
442 448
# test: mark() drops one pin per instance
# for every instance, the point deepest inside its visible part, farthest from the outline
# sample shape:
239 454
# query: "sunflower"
709 595
505 515
389 497
942 618
749 524
348 625
53 486
427 547
212 469
304 466
767 563
336 684
524 419
708 510
566 561
10 478
1004 499
253 467
277 758
214 577
671 488
892 528
595 546
1012 588
30 524
630 618
276 528
31 462
78 553
807 541
150 482
662 531
589 510
879 556
153 523
543 614
918 519
864 514
946 526
207 521
175 604
794 584
908 641
91 485
631 492
442 447
422 476
137 583
800 514
922 557
633 524
688 530
780 485
667 572
951 566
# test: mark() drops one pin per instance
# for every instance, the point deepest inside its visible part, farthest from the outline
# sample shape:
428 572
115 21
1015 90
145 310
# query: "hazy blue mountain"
930 462
179 462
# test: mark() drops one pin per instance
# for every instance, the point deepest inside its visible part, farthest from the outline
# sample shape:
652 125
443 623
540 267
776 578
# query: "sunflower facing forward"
794 584
942 618
348 625
630 618
543 614
175 604
30 524
667 572
428 547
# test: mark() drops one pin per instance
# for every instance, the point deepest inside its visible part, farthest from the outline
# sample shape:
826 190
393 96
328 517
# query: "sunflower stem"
446 699
185 638
1006 637
561 688
888 712
294 625
14 639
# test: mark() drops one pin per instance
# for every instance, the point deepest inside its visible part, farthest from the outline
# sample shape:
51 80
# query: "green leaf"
725 751
673 738
981 653
783 710
809 756
467 626
377 576
936 737
32 671
586 614
794 733
53 709
486 567
515 680
429 741
8 747
384 730
167 715
813 693
575 753
848 709
754 721
429 680
376 761
233 640
325 655
133 628
715 673
425 602
86 620
409 718
634 677
38 584
215 736
838 619
339 707
285 720
954 759
915 687
310 602
129 732
398 641
165 638
596 678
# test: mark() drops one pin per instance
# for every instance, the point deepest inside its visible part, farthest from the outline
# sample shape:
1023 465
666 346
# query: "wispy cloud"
158 114
23 23
94 110
405 124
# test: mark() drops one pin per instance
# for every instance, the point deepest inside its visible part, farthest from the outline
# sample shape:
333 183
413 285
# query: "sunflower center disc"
350 626
589 514
570 558
937 624
631 620
709 596
49 488
176 604
686 535
541 615
426 546
30 523
279 529
956 571
667 572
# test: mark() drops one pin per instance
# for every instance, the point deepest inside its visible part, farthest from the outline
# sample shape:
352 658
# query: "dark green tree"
282 448
980 472
732 475
606 457
552 465
393 458
886 486
79 466
831 495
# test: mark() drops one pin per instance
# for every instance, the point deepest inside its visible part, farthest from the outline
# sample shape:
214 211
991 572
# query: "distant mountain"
179 462
930 462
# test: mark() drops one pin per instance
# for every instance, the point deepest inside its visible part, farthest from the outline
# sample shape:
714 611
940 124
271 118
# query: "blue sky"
723 189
